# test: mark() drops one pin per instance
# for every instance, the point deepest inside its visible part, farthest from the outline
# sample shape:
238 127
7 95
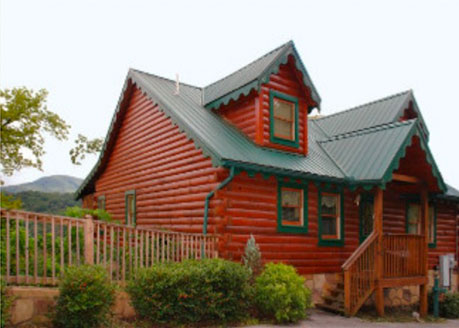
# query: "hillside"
46 202
49 184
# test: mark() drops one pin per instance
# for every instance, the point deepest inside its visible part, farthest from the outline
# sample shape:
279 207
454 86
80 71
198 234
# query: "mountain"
52 183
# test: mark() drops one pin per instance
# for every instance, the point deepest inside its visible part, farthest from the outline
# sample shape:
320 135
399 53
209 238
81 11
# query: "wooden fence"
37 247
403 255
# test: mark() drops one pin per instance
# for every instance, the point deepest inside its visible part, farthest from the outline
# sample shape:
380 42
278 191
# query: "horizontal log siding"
285 81
446 238
249 206
170 176
242 115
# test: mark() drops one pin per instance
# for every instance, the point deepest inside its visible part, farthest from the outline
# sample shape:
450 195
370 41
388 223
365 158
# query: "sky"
354 51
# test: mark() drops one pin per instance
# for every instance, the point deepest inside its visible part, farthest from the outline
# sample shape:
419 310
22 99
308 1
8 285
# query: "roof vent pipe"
177 85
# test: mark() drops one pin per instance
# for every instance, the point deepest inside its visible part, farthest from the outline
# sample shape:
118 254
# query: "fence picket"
121 249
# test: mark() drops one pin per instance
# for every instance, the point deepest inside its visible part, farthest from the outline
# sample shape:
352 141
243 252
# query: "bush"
449 307
252 257
85 299
5 304
78 212
192 291
280 293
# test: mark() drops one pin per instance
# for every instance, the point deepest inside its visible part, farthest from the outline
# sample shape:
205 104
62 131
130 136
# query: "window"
292 207
130 207
283 119
331 231
101 202
414 220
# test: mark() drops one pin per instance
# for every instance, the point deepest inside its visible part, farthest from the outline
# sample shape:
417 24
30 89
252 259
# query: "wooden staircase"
333 301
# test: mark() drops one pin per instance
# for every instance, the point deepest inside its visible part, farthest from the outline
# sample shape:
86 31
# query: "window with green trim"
130 207
331 223
292 207
283 119
101 202
414 220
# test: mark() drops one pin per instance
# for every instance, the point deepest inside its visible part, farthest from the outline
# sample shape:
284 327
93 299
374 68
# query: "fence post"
89 239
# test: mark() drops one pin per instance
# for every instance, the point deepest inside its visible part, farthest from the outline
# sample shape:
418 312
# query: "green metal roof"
253 76
351 152
451 194
383 111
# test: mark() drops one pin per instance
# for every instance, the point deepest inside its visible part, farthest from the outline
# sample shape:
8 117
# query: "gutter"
211 194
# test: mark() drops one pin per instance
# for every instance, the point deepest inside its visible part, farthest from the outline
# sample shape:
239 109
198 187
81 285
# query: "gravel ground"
321 319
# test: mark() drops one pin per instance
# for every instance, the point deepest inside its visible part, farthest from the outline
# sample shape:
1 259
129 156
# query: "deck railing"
360 274
37 247
403 255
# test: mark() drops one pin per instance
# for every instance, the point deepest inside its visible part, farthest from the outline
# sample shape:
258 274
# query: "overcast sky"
355 52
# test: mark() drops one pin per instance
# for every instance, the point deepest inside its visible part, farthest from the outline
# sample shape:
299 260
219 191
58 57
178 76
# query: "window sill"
331 242
293 229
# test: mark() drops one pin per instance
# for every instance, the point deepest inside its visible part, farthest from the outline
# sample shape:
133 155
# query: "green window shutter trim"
331 242
290 143
99 199
286 228
134 219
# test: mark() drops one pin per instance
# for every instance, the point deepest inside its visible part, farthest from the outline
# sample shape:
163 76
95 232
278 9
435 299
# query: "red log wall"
170 176
250 207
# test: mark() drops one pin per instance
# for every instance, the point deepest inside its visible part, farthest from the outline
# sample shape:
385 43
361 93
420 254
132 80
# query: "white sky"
355 52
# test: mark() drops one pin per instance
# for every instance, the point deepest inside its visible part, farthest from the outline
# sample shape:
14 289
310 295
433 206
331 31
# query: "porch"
388 259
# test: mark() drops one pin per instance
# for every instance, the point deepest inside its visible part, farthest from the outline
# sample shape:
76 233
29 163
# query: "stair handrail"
363 246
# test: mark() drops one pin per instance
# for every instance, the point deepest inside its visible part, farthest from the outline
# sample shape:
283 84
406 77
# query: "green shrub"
5 304
280 293
85 299
252 257
78 212
449 307
210 290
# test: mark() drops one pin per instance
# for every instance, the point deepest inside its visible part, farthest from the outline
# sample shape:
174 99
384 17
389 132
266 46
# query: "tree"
24 119
83 147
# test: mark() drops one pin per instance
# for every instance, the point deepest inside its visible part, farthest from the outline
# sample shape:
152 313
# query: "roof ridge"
368 130
164 78
249 64
410 91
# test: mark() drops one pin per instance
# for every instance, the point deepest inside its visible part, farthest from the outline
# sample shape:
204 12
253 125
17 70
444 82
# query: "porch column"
425 258
378 226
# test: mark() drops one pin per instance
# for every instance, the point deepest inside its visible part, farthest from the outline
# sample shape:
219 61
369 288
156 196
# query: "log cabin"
354 200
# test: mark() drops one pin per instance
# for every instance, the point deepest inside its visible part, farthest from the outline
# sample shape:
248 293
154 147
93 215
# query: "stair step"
336 293
331 308
332 299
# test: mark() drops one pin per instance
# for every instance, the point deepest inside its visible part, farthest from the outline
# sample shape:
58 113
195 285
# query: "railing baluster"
97 242
77 236
8 255
18 250
69 237
53 250
45 260
35 253
61 228
26 220
112 240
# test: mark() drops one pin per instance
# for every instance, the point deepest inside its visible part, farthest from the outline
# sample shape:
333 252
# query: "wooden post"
347 292
89 239
378 226
424 257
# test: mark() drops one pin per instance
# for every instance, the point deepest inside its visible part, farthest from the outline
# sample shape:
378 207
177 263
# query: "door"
366 217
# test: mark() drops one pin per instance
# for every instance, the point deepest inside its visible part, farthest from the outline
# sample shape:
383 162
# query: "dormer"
268 100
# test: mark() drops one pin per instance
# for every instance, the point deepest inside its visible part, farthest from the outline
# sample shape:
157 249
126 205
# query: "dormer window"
283 119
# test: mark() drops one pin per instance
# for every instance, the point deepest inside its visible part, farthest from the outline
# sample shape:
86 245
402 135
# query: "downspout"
211 194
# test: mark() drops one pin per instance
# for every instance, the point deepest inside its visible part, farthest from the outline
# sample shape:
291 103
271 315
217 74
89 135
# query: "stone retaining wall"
33 305
321 284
